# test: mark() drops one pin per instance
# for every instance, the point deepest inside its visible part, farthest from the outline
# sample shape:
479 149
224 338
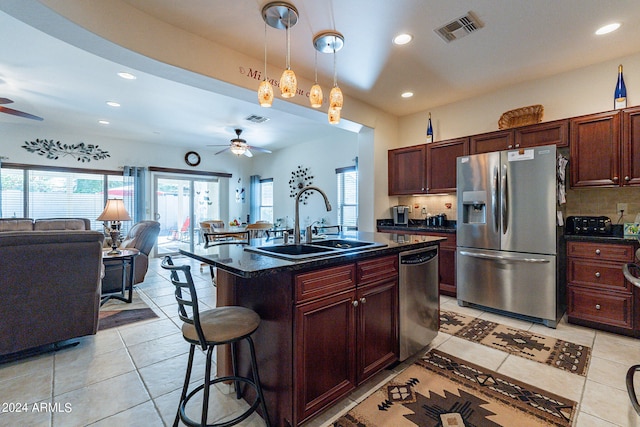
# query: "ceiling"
520 40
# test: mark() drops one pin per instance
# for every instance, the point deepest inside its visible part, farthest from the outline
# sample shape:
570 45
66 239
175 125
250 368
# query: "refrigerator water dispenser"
474 207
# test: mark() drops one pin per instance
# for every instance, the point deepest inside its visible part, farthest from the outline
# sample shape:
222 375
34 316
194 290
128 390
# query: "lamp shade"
265 94
114 211
288 83
333 115
315 96
335 98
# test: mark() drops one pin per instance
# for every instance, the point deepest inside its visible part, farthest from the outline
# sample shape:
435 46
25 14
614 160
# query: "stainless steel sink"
314 249
343 244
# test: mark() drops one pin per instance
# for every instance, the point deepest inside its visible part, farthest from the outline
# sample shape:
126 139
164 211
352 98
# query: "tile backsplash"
588 201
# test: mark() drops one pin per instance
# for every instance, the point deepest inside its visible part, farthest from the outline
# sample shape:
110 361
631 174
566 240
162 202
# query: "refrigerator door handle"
494 200
504 200
484 255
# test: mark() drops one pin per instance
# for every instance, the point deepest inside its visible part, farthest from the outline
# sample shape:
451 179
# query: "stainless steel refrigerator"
507 238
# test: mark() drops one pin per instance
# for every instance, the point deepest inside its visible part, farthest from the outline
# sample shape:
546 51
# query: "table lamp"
114 212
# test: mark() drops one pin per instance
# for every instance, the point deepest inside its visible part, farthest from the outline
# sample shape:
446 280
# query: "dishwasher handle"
418 257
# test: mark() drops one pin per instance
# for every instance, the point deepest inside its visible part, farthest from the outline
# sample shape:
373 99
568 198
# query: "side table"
126 258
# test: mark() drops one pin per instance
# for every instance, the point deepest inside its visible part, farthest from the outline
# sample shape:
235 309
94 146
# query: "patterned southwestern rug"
443 391
551 351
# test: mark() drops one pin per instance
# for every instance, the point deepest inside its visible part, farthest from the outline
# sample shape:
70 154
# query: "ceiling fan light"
315 96
335 98
265 94
238 150
333 115
288 83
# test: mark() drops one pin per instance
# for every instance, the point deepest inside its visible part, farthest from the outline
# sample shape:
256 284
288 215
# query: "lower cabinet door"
602 307
325 352
377 327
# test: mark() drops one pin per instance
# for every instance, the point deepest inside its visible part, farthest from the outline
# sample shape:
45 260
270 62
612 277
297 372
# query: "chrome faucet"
296 220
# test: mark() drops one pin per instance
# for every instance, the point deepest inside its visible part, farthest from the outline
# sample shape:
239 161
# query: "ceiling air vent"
256 119
459 28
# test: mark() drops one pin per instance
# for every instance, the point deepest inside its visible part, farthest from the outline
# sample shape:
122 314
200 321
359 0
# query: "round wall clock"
192 158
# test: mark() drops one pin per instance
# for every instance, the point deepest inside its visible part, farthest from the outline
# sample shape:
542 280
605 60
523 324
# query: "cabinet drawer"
606 251
377 269
595 306
604 275
324 282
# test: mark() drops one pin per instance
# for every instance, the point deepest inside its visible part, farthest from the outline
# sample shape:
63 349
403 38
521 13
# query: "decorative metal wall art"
300 178
54 149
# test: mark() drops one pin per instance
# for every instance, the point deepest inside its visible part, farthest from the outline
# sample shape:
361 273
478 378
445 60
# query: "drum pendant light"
283 16
265 90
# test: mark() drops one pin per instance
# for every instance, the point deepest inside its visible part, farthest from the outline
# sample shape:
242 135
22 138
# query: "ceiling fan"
16 112
239 146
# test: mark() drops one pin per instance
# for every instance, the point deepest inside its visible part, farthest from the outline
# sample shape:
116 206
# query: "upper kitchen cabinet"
595 150
492 141
407 174
631 146
548 133
441 164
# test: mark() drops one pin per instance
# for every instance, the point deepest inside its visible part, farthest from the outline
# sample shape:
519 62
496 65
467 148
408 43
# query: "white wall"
322 157
574 93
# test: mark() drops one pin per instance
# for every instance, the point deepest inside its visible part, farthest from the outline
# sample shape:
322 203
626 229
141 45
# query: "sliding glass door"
180 203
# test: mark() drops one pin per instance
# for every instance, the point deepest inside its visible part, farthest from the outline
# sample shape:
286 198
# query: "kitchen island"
329 322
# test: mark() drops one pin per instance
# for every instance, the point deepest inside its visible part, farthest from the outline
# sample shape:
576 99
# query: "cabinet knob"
509 146
517 145
615 179
597 251
597 306
626 178
355 303
363 300
597 274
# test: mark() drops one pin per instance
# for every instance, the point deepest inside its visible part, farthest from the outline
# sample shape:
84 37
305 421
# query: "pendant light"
265 90
282 15
332 42
315 94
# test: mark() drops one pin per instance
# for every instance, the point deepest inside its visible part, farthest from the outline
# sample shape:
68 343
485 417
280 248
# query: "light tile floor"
132 375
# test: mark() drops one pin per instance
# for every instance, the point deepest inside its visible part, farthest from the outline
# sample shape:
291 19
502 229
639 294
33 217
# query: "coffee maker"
400 215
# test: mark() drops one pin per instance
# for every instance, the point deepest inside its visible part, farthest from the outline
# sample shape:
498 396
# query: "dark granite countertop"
415 226
616 236
233 257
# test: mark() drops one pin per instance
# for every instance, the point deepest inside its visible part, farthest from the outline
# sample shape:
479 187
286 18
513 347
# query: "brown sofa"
142 236
49 282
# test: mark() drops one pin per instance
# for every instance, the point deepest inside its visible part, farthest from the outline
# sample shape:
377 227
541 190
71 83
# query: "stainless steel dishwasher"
418 299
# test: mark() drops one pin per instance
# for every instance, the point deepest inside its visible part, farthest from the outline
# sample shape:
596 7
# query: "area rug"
118 313
443 391
554 352
112 319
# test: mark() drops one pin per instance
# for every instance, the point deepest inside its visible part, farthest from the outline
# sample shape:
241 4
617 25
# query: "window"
347 197
41 192
266 200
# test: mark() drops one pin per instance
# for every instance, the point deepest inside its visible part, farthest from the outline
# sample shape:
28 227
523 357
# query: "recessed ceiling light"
113 104
608 28
407 94
103 122
127 76
401 39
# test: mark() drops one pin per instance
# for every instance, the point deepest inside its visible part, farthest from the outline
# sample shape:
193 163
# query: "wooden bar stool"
207 329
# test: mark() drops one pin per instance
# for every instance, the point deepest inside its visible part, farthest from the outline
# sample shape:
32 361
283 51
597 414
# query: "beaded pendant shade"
265 90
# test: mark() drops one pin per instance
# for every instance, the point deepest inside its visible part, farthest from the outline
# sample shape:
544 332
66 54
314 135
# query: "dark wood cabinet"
595 150
346 329
631 146
492 141
598 295
447 263
407 174
548 133
441 164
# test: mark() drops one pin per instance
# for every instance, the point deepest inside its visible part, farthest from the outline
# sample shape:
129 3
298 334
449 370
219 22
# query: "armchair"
142 236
